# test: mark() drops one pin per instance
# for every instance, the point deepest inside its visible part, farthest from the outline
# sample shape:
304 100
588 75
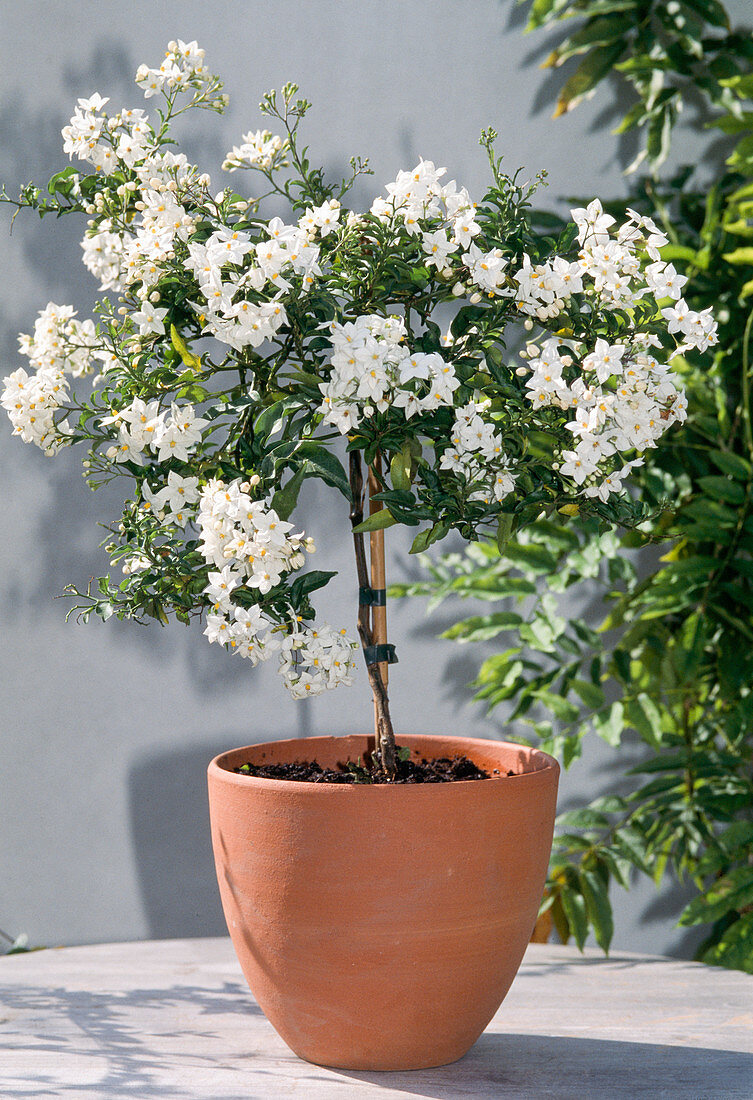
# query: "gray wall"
107 728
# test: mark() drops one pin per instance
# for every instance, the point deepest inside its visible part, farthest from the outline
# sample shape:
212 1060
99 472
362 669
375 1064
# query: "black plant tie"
380 654
372 597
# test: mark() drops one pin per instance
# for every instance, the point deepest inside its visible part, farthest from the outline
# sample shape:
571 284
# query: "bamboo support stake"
378 572
384 734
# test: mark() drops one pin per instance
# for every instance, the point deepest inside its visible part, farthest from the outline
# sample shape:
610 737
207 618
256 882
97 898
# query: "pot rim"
218 770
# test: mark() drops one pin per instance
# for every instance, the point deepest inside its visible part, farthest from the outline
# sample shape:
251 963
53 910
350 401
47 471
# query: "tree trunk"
372 620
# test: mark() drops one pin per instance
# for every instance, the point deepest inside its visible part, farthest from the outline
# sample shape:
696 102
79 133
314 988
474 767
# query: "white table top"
175 1019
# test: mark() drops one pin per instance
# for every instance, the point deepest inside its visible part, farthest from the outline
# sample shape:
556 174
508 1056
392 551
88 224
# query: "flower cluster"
623 399
143 426
418 196
373 369
609 274
477 456
59 345
174 502
31 401
183 67
259 149
251 548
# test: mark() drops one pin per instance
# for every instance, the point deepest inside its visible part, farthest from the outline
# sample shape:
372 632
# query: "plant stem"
747 430
384 734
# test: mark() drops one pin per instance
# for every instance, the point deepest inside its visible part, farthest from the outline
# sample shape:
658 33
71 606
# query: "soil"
439 770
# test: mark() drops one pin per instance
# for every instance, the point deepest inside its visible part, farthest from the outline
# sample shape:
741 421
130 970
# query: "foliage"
234 356
670 668
671 54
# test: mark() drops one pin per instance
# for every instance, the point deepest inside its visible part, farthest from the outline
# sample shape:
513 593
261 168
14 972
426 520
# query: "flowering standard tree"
232 356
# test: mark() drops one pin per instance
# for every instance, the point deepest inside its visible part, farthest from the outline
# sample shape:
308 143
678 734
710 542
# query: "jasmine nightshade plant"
232 356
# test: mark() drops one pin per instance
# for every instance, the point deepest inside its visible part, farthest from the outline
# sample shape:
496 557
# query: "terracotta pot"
380 927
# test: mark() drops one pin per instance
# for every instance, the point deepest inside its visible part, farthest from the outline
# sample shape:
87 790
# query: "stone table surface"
175 1019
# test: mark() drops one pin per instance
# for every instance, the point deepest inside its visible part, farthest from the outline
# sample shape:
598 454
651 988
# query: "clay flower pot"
380 927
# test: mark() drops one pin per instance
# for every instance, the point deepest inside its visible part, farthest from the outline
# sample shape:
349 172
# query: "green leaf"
591 71
632 845
734 948
540 12
609 725
424 539
574 906
401 468
659 134
559 919
723 488
62 182
481 627
643 714
531 558
739 256
270 420
733 891
596 32
711 10
308 582
560 708
325 465
733 464
597 906
591 694
376 521
286 498
689 654
504 530
190 360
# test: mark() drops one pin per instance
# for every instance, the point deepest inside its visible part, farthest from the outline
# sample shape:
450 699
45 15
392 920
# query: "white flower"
437 248
593 224
605 359
486 269
576 466
150 319
179 434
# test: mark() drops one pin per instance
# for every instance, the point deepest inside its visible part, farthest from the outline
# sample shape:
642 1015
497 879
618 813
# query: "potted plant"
380 894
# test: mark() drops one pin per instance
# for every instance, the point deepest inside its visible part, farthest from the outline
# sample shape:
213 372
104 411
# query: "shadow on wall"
169 818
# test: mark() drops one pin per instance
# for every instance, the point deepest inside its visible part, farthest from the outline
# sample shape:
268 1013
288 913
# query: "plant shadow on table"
101 1030
531 1067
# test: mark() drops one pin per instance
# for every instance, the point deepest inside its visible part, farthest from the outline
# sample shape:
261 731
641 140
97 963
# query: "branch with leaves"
670 54
233 355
